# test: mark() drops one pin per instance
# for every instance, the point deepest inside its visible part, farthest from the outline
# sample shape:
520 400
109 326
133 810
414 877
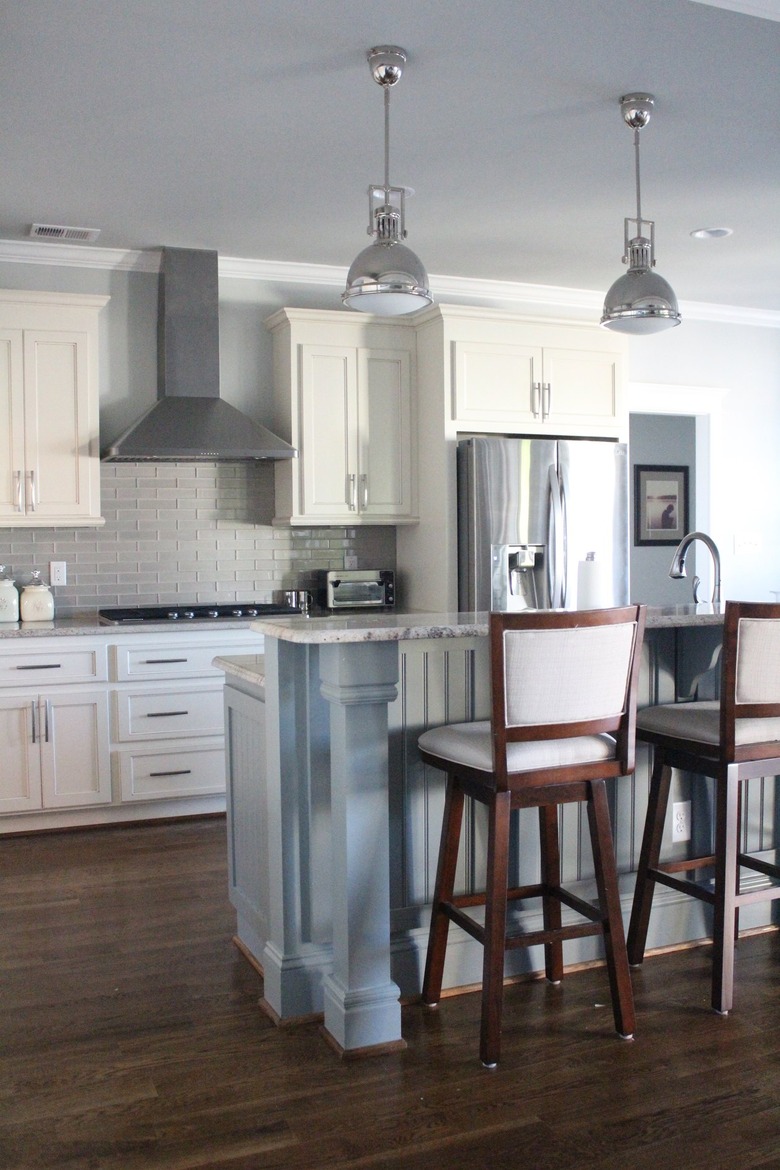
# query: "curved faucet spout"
677 567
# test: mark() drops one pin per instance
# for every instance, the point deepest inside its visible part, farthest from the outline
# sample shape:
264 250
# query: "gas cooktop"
190 613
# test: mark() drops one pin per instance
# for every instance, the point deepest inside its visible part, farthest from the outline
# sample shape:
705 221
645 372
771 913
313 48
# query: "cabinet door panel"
494 383
329 449
20 772
11 422
74 749
583 385
384 405
58 428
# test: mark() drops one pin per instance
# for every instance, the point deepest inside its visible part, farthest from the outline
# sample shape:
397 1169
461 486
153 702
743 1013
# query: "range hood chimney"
190 421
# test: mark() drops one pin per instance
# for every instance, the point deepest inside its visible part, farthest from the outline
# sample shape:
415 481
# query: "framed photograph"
660 504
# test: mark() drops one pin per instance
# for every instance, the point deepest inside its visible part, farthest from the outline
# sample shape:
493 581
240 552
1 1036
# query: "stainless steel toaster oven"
359 589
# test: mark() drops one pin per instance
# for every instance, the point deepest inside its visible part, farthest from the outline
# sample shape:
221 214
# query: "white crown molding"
765 9
334 276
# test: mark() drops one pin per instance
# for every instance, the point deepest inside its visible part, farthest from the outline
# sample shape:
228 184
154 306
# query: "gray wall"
661 440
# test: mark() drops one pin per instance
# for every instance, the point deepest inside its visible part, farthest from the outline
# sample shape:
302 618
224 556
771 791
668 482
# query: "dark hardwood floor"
130 1038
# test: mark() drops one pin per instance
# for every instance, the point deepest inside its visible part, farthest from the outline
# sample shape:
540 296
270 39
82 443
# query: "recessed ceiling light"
712 233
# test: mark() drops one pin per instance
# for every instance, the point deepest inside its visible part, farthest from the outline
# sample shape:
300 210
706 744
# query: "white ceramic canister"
9 598
37 603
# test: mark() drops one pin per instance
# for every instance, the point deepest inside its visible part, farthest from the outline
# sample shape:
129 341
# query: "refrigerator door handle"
564 561
555 542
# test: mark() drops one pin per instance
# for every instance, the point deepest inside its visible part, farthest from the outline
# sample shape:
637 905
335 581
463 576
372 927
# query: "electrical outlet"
681 821
58 572
350 562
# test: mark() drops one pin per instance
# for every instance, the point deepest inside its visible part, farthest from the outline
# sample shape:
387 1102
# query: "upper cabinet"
49 453
536 378
344 398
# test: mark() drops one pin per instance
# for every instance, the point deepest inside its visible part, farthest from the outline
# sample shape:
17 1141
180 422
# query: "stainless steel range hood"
190 421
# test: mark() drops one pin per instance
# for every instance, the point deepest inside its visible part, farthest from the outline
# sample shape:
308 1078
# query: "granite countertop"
250 667
85 622
400 627
358 627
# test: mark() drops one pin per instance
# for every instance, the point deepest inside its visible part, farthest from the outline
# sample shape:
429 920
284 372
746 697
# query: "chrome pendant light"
640 301
386 277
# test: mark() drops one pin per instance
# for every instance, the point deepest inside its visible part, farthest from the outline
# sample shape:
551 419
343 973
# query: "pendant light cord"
638 189
387 141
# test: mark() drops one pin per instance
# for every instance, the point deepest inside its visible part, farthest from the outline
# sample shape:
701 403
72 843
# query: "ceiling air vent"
56 231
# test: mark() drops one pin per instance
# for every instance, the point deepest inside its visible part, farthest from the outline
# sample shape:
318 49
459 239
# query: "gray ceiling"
253 127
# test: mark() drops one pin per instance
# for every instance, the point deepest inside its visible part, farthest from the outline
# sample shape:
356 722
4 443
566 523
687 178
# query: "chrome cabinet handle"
546 399
352 492
33 494
364 486
34 722
535 392
19 504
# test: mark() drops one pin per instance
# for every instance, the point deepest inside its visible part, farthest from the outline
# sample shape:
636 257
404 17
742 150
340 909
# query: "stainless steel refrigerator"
542 523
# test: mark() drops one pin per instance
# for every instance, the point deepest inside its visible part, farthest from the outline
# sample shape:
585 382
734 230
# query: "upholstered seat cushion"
700 723
471 744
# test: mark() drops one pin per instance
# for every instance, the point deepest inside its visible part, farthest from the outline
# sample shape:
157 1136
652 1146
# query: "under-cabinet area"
102 729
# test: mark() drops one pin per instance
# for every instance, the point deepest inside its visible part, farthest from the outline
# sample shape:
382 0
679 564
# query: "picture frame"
660 504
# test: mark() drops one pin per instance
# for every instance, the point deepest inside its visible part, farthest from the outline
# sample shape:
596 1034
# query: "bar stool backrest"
750 681
562 675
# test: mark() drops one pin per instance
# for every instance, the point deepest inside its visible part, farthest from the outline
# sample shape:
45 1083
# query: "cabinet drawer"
168 713
37 667
176 659
155 775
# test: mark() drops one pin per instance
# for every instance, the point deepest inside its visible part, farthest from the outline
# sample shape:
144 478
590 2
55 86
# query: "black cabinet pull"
41 666
164 714
181 772
162 661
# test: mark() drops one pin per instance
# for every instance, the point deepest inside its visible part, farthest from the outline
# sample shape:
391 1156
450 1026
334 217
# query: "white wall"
745 473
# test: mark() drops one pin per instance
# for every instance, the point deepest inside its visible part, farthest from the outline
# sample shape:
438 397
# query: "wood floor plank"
131 1039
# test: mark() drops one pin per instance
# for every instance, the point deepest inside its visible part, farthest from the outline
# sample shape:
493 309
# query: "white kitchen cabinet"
49 456
111 727
344 399
573 387
54 739
167 714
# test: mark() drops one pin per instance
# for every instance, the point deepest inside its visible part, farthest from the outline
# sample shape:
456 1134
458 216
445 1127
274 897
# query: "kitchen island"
334 822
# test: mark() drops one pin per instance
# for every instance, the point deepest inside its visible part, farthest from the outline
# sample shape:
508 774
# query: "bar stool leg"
609 901
551 879
726 879
495 928
445 883
649 857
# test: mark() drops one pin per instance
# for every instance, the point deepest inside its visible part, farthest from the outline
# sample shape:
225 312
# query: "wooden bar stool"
732 740
563 714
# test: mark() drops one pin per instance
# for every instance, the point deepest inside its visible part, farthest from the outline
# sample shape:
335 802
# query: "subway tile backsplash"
193 532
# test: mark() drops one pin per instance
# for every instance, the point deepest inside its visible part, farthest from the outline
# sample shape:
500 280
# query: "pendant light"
386 277
640 301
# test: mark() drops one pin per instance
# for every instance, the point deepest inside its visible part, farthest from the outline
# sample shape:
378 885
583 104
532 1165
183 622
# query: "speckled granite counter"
399 627
86 622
